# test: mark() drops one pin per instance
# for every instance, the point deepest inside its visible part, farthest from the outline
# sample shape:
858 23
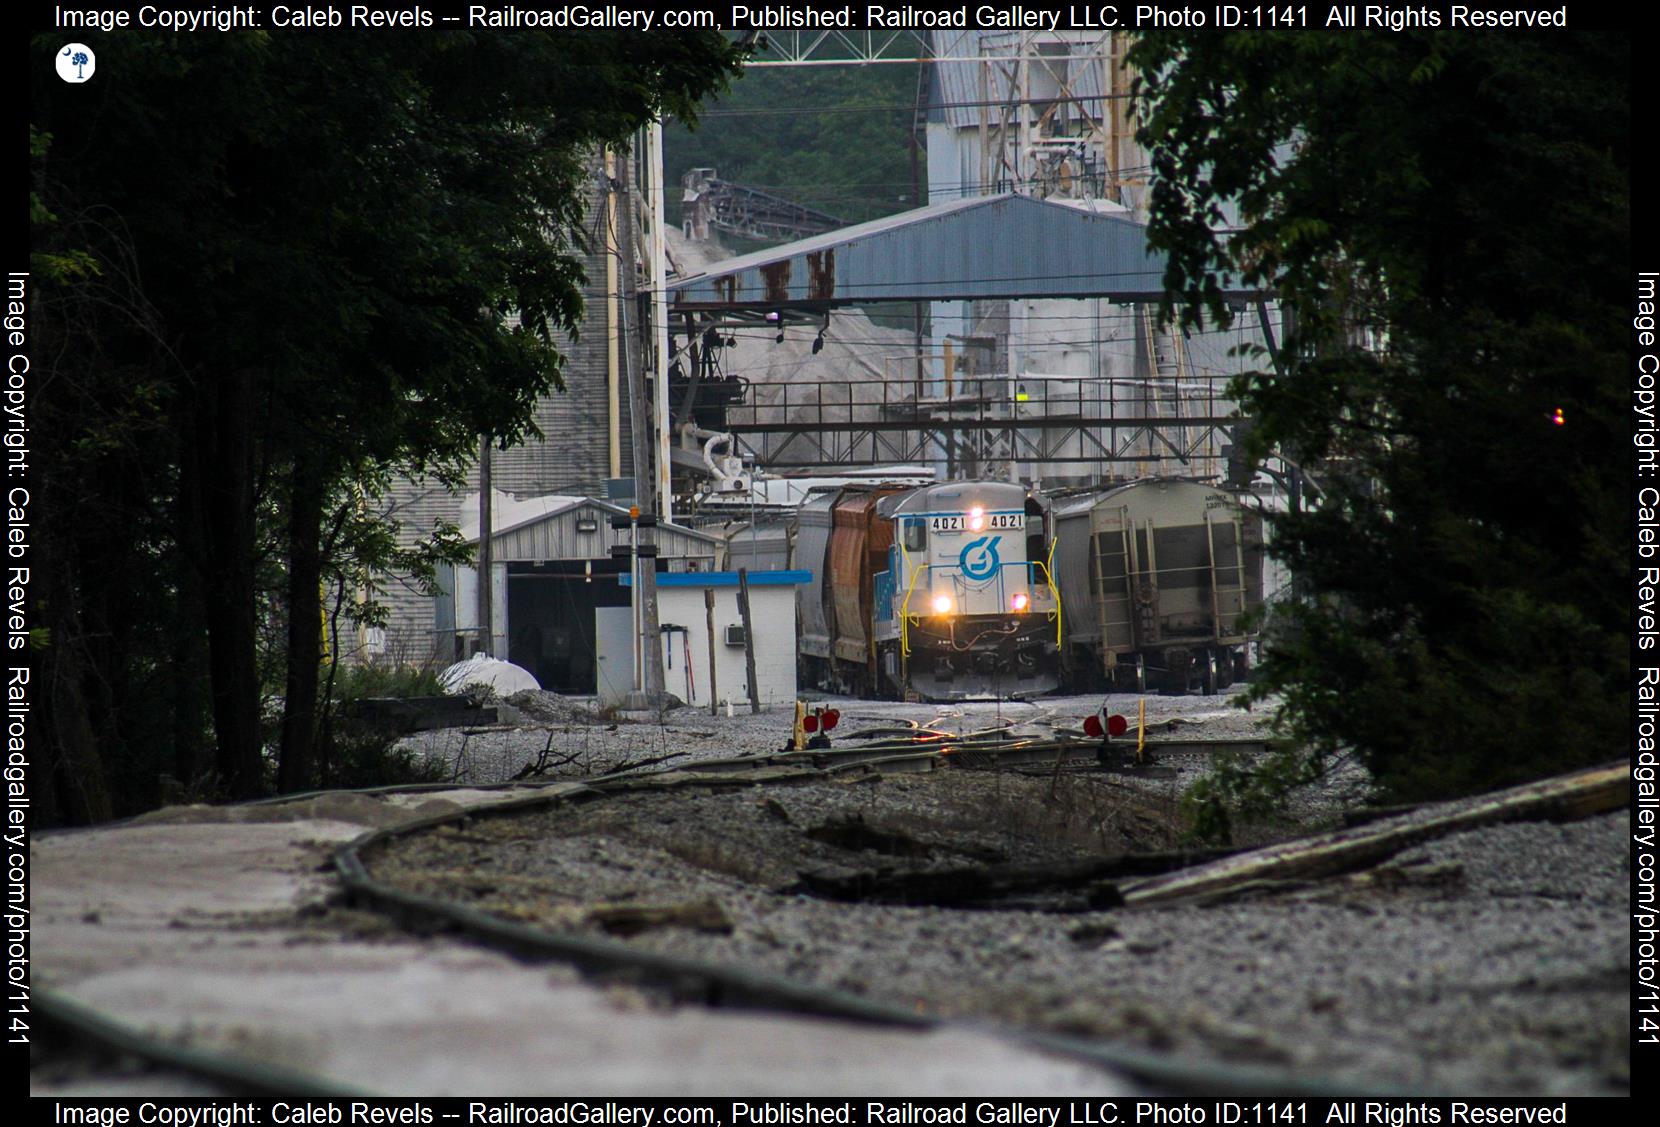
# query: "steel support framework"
818 425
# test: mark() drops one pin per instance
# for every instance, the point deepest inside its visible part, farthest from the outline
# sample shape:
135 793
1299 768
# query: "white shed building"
683 617
553 568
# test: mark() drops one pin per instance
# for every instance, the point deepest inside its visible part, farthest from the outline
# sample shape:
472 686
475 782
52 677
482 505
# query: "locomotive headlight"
1020 602
942 604
976 518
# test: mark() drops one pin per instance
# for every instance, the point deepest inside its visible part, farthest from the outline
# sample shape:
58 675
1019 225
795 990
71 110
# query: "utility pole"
658 341
613 330
648 642
709 614
486 552
749 638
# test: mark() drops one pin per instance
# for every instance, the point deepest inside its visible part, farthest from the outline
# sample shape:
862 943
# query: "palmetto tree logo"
76 62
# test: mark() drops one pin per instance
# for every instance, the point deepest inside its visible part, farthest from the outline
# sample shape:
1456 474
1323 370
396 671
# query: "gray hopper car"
1156 580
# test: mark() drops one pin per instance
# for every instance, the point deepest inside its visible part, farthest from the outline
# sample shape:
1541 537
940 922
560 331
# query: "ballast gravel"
1490 962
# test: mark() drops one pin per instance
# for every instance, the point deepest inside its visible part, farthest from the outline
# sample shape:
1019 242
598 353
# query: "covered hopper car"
1157 578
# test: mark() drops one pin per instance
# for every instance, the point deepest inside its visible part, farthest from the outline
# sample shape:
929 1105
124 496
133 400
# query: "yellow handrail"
1054 592
905 610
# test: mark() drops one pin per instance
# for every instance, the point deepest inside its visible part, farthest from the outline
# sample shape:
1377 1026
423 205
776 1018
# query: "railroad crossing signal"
817 724
1104 725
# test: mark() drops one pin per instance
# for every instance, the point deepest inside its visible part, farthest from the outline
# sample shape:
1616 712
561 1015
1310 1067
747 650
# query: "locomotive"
940 591
984 588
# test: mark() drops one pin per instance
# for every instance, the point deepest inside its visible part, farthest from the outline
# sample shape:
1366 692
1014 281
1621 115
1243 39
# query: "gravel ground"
1492 962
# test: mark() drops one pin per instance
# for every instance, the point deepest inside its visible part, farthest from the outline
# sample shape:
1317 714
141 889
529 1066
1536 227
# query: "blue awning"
723 578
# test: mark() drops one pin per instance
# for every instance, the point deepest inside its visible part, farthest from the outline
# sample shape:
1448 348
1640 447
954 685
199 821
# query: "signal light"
1103 724
1558 419
817 724
942 604
1020 602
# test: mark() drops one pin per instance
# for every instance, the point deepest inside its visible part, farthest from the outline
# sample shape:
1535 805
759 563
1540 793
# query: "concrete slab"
192 926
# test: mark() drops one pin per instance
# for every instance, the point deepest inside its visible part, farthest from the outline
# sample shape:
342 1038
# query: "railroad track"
767 783
729 983
701 981
929 749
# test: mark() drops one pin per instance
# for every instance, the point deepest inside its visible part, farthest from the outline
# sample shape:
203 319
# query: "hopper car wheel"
1210 673
1140 673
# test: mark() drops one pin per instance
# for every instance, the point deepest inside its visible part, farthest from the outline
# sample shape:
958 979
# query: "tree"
1447 215
361 258
835 138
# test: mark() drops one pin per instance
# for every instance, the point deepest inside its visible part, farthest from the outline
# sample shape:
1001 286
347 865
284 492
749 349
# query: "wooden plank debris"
1562 798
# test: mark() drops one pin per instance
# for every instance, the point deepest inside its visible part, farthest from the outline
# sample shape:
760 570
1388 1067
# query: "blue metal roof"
982 247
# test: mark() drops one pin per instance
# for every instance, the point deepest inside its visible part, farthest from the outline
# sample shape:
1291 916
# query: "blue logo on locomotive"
979 558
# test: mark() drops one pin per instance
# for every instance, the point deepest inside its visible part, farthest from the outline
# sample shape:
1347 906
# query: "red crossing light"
1104 723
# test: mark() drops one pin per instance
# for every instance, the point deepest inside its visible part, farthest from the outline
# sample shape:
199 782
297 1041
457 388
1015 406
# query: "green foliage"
362 682
355 753
834 138
1242 790
365 544
1447 215
269 266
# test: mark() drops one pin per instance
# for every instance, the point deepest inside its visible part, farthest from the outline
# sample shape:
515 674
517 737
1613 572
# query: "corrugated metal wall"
573 458
558 538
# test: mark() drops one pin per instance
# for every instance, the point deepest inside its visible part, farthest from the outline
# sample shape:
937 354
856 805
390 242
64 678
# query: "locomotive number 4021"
961 522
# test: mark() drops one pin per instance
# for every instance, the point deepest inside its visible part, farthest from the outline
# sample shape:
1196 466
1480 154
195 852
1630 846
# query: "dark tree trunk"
216 474
188 686
71 781
296 770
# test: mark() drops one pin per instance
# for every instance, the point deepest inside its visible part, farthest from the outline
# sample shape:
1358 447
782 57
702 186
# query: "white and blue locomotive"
940 592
